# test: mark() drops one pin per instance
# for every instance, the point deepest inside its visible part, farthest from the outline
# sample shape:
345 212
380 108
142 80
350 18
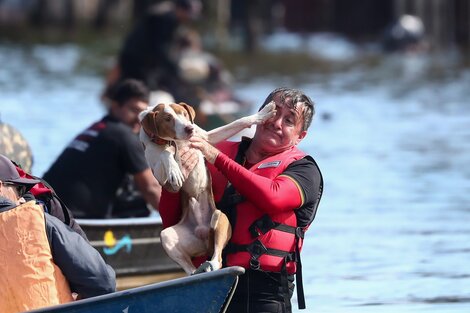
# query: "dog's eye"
168 118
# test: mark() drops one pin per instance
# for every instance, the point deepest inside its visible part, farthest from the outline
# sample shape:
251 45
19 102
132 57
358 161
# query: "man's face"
282 131
128 113
9 191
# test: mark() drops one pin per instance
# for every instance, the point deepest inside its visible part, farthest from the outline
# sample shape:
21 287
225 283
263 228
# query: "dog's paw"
175 177
266 113
207 266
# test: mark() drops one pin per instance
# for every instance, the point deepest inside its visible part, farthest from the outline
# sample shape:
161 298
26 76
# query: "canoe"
132 247
204 293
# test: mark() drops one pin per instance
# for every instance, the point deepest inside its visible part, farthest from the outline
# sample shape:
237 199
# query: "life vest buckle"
254 264
256 249
261 226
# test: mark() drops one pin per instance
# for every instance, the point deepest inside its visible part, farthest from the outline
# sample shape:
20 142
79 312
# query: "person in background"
105 158
44 262
407 34
15 146
148 52
270 191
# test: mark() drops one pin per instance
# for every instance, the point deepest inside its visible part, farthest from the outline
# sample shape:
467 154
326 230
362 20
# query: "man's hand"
210 152
188 159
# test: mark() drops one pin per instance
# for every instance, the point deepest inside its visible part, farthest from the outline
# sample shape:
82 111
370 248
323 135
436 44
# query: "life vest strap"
256 250
264 224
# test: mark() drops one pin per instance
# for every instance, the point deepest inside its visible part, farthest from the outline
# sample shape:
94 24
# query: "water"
391 137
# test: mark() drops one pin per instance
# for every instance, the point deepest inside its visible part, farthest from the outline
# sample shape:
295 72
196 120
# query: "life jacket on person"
53 205
260 241
31 280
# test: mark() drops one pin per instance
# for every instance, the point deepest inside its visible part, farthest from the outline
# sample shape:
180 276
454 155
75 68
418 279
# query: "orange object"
29 278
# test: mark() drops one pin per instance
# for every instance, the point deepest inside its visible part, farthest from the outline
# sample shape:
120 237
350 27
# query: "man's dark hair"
128 89
298 98
185 4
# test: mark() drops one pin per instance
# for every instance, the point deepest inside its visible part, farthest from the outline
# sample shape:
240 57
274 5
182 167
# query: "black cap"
8 173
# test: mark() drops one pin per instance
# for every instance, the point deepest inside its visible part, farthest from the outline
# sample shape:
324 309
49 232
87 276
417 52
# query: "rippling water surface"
392 139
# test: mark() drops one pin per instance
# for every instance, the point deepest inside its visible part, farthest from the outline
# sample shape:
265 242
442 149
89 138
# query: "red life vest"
260 241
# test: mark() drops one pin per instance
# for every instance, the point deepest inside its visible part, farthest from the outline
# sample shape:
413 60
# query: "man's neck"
254 155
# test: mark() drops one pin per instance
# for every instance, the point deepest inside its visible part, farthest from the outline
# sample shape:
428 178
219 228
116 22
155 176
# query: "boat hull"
131 246
204 293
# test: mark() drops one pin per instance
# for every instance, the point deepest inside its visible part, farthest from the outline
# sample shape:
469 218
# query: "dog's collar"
157 140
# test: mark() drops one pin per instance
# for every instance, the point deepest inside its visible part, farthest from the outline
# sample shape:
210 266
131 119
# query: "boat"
132 247
202 293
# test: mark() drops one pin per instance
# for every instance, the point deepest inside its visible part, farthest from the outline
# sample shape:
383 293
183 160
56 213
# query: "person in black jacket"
82 266
45 195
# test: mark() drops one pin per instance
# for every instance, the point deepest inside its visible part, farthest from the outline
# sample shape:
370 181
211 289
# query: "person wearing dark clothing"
46 261
42 193
92 168
83 267
270 191
147 51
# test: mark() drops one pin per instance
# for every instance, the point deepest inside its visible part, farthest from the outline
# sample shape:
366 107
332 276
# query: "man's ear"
190 110
114 107
301 136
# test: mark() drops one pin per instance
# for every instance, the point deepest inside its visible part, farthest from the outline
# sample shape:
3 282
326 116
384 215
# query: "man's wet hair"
128 89
299 98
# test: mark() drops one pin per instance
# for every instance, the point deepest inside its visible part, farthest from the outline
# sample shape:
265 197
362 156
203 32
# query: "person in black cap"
12 185
47 261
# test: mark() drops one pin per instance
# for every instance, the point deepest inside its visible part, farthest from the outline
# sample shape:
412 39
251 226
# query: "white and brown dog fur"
202 230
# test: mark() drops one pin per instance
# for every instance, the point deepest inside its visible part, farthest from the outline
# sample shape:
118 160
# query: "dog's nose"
189 129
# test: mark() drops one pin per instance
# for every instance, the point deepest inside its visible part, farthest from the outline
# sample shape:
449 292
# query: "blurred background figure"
14 146
407 34
149 52
165 51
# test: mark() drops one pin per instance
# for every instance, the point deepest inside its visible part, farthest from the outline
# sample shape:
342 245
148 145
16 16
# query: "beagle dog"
203 229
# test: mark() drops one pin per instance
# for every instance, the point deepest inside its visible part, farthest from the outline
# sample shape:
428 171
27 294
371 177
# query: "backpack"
44 194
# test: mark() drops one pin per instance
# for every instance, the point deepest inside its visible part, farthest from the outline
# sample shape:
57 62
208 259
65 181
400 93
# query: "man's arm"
270 195
83 267
149 187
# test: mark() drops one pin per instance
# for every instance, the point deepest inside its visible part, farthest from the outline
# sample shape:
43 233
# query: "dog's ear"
190 110
149 123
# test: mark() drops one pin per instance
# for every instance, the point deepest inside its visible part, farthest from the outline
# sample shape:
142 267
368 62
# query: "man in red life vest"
270 190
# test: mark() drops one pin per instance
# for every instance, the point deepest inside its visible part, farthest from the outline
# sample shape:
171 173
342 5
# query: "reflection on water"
391 137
